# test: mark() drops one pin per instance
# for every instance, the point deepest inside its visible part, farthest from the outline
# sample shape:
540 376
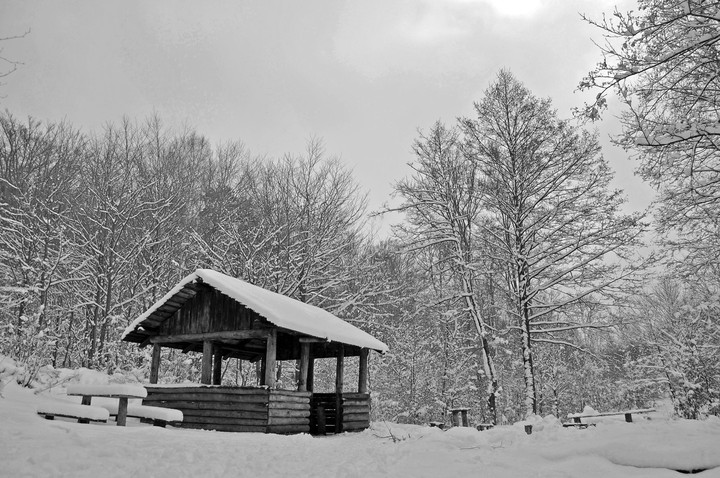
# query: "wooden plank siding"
210 311
236 409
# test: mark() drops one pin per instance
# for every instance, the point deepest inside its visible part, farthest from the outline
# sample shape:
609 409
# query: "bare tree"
7 65
443 203
678 327
112 226
552 220
38 167
661 61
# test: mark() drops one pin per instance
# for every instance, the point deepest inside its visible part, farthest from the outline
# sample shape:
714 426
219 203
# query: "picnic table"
577 417
460 417
122 392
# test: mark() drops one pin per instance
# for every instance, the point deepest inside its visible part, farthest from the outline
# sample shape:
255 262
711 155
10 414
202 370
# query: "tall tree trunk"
70 342
105 319
528 369
93 330
486 357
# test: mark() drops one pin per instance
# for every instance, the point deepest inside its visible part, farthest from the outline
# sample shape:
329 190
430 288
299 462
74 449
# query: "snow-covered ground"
31 446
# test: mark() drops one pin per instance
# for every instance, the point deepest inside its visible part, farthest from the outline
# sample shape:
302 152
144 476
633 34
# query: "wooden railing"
354 412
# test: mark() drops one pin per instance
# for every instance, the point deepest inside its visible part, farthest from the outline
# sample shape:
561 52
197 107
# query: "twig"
392 436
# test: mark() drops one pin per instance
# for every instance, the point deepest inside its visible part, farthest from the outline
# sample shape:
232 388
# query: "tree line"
515 284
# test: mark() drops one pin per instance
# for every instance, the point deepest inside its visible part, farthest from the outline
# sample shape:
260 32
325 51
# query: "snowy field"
32 446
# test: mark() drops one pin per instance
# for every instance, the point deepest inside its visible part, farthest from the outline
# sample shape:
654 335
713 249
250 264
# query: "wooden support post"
363 374
217 365
339 377
311 372
270 355
304 362
260 371
155 363
455 418
460 417
86 400
206 374
320 414
122 411
340 370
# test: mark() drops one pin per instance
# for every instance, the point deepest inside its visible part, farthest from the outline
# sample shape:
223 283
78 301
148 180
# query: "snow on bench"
83 413
159 416
576 417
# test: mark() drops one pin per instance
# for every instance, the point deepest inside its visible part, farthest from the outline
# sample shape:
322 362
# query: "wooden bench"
576 417
460 417
484 426
578 425
82 413
157 416
439 425
120 391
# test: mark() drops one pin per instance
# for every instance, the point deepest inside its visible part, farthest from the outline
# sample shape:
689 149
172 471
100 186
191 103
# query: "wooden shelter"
223 317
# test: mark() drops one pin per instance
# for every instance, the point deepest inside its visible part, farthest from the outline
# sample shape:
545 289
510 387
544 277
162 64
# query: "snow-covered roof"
278 309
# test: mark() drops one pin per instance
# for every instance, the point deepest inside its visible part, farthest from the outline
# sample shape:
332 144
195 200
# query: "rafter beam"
219 336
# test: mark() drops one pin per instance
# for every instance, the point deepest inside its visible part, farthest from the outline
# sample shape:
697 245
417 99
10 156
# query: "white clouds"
431 37
438 22
390 37
346 71
515 8
504 8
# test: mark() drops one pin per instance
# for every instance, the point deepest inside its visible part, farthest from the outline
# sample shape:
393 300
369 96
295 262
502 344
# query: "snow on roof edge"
281 310
135 323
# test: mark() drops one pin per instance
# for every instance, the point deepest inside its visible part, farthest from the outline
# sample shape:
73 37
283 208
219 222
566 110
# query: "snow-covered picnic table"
121 391
577 417
460 416
83 413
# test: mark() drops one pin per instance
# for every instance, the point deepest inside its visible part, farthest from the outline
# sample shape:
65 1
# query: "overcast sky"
362 75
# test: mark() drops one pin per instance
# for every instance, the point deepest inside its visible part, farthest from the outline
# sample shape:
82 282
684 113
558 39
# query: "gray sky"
361 75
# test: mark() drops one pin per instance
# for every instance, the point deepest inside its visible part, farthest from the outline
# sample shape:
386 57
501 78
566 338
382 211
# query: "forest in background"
514 285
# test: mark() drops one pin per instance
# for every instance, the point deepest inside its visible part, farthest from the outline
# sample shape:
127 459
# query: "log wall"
356 411
236 409
288 412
